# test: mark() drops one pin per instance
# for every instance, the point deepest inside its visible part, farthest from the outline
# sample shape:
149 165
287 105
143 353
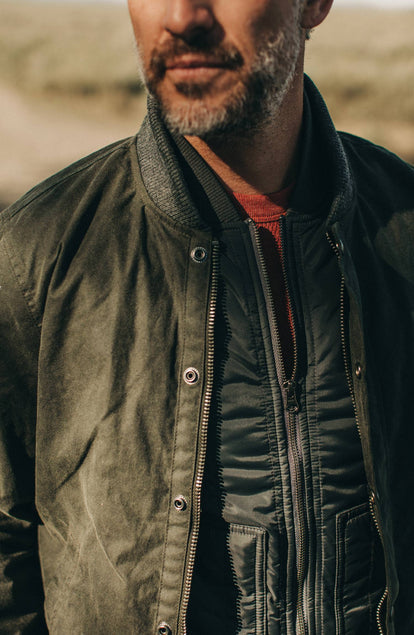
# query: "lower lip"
194 73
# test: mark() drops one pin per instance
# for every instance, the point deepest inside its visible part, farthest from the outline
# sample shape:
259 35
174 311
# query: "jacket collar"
182 185
325 186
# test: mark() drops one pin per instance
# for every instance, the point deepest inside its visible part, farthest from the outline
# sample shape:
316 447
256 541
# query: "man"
207 354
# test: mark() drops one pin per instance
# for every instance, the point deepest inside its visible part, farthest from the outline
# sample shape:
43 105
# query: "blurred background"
68 80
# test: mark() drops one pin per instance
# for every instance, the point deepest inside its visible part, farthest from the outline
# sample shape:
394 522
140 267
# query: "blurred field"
68 82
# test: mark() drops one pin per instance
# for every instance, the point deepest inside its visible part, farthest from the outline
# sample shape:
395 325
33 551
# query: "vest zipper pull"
292 404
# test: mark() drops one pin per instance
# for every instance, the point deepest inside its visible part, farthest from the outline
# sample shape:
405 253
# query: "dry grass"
75 65
59 47
363 63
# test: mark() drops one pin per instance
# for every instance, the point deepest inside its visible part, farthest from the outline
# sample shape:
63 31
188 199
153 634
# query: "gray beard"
248 109
246 112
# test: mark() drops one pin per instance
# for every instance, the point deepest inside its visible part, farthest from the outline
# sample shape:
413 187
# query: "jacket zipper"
182 628
351 390
288 387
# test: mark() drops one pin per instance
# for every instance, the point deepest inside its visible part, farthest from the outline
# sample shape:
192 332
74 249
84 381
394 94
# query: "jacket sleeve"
21 592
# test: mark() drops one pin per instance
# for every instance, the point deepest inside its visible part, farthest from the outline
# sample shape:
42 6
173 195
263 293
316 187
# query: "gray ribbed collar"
180 182
177 179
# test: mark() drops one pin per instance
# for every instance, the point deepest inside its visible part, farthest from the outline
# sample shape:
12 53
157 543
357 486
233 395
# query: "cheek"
137 17
146 22
248 22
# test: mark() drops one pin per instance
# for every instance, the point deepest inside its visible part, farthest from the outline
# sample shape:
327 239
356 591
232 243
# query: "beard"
254 100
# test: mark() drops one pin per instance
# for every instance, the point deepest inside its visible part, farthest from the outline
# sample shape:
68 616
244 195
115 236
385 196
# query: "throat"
265 162
252 166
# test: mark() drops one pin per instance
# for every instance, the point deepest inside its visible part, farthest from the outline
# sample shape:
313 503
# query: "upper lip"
193 61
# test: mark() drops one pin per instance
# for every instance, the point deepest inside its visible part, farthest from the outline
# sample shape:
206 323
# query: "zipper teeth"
301 558
285 280
378 612
203 440
272 313
291 428
385 594
301 564
352 393
345 356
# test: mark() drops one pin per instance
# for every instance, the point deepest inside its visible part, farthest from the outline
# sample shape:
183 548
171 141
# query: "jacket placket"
353 348
194 399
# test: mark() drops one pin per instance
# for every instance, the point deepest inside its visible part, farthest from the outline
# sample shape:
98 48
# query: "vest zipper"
202 445
385 594
352 393
291 405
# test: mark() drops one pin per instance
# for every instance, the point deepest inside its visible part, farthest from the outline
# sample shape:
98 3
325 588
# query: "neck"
265 162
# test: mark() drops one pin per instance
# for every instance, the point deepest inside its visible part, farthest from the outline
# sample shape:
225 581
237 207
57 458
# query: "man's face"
217 66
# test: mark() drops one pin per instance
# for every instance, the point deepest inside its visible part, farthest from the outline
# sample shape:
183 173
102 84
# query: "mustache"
223 55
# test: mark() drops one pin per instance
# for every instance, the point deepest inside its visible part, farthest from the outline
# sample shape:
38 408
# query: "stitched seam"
341 523
338 581
372 607
261 547
249 530
30 310
273 464
181 365
318 517
258 534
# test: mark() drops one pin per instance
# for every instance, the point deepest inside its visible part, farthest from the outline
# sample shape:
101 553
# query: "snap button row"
191 376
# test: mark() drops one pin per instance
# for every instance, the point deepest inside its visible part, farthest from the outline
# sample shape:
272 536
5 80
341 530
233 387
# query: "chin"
211 116
198 118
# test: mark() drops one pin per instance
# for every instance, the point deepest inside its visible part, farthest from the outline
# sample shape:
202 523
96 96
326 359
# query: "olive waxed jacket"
108 283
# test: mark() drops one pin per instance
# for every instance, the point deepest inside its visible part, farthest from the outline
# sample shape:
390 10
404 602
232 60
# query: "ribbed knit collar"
181 184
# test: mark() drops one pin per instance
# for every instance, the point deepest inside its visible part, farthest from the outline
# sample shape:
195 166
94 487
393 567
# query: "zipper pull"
292 404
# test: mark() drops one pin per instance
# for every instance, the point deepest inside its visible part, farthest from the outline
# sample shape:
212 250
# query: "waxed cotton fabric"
104 547
106 295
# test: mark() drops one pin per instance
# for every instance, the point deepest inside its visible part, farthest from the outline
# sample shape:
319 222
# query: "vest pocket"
247 546
359 580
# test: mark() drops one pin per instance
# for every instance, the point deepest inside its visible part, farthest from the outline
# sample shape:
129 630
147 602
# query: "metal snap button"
358 370
180 503
164 629
191 376
199 254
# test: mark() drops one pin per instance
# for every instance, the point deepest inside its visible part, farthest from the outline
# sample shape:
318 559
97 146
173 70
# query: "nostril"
185 17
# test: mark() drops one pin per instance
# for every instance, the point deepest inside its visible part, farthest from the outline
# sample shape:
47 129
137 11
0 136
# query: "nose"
188 18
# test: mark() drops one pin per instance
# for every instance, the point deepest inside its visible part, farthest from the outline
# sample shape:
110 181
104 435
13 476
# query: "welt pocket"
359 579
248 553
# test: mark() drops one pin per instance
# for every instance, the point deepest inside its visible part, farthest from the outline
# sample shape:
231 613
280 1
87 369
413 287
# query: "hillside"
68 82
